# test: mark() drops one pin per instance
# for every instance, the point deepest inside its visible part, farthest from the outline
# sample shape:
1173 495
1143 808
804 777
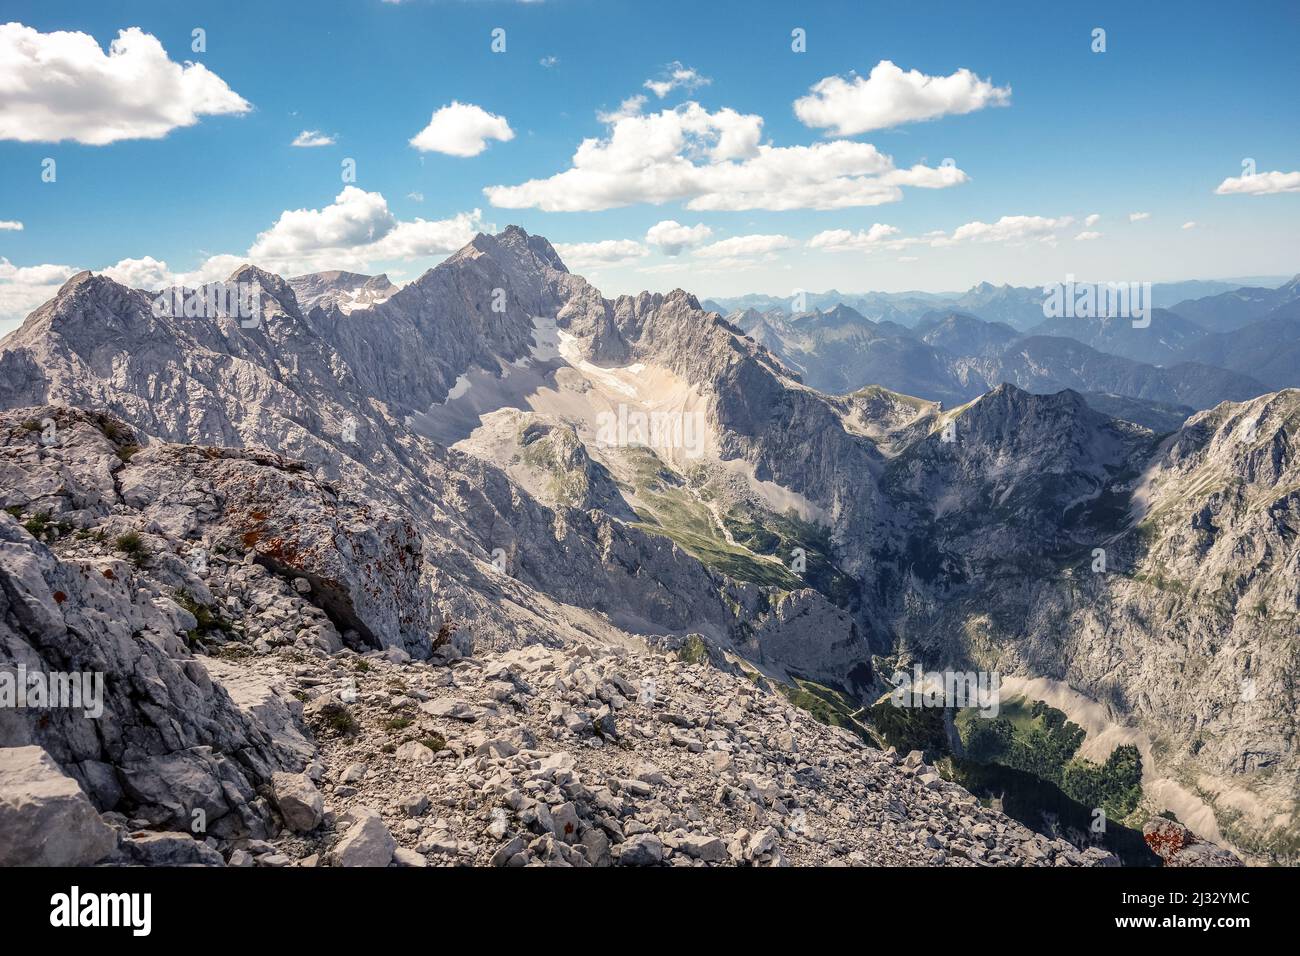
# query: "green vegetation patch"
211 623
746 543
827 706
133 547
910 728
40 524
558 453
693 650
1037 739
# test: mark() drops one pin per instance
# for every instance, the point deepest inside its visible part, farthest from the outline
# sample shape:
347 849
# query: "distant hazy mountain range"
1018 306
953 349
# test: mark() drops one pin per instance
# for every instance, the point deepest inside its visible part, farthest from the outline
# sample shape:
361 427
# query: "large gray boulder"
45 817
300 803
367 843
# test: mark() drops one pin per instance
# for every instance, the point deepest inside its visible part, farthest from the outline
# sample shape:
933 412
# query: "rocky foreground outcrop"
1178 846
258 706
591 756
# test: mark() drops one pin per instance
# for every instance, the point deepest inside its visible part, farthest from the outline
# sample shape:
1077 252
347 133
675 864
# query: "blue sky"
1181 96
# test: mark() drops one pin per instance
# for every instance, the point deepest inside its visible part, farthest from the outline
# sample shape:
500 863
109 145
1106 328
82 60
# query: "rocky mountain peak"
346 290
90 308
1011 408
273 285
76 281
841 313
89 286
682 298
252 273
539 246
337 278
513 249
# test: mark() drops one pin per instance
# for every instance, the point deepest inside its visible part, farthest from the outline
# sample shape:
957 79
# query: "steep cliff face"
760 417
1010 473
1218 513
1158 577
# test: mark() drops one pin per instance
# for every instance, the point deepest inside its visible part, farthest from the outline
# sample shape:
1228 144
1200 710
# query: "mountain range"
1020 306
542 491
1160 369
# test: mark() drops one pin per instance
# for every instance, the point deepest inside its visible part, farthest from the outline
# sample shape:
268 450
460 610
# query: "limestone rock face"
116 607
344 290
335 391
165 848
45 818
1156 576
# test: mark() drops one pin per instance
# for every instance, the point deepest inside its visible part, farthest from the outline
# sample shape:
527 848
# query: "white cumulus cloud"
357 228
845 240
312 137
461 129
1014 230
891 97
143 273
355 218
742 247
213 269
1260 184
671 237
631 106
62 86
10 225
716 161
1138 216
1087 236
676 76
1009 230
606 252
